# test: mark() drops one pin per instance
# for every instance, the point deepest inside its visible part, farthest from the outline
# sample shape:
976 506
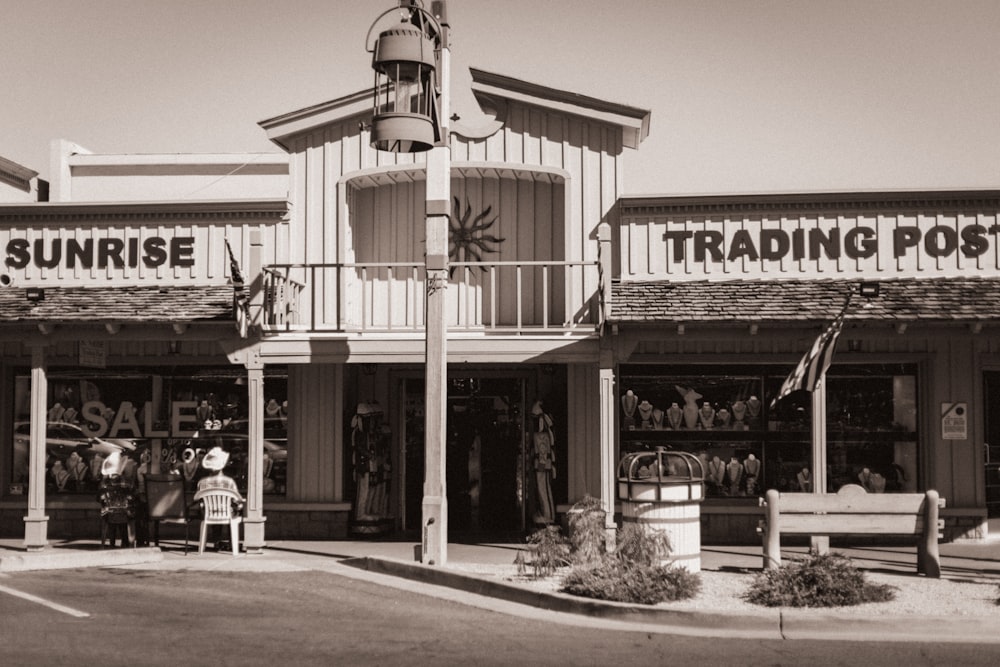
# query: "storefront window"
160 421
746 446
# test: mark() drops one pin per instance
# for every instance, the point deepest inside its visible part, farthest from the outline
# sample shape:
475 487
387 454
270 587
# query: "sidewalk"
393 563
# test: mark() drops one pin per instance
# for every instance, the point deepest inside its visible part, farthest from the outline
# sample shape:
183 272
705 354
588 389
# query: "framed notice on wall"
954 421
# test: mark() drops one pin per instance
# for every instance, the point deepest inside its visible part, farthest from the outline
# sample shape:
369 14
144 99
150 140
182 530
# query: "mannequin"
545 470
646 414
804 479
629 403
657 419
752 468
674 416
706 416
716 472
735 472
690 409
739 415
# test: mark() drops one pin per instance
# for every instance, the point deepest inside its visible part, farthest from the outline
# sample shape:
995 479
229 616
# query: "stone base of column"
36 533
253 535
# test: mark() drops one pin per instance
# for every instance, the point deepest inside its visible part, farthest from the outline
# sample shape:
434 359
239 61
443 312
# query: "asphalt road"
128 617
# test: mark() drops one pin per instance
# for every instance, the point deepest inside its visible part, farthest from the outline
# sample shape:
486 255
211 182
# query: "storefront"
719 297
582 325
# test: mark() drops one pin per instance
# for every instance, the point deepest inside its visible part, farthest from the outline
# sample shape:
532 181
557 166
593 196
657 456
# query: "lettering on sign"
954 421
101 253
862 242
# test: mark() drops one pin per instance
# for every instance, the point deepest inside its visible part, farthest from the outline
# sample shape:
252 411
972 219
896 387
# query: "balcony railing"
522 297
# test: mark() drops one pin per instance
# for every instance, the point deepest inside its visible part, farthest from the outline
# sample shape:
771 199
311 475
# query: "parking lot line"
42 601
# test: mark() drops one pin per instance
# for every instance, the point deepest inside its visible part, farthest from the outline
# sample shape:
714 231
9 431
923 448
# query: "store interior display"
747 446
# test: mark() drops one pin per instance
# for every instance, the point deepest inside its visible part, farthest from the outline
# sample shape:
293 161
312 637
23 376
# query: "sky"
745 95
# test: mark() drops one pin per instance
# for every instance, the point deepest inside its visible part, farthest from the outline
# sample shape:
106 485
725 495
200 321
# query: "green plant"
634 573
549 550
586 531
827 580
620 581
642 547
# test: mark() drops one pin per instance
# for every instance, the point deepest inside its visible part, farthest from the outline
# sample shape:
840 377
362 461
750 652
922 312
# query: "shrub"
634 573
586 531
828 580
549 550
639 584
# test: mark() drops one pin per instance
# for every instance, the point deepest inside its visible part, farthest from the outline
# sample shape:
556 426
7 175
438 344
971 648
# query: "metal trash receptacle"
663 490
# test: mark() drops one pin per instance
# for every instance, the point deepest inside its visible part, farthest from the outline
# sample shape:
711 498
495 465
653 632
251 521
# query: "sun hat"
113 464
216 459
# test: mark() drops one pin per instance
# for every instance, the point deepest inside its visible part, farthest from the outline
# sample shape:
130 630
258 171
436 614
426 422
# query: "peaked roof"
487 88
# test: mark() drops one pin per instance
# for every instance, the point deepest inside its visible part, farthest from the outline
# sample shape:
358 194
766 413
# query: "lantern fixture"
406 58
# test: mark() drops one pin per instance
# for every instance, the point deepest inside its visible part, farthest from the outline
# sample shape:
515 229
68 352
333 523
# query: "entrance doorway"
484 473
991 400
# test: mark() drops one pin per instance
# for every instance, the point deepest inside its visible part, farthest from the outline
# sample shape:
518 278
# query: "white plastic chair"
217 509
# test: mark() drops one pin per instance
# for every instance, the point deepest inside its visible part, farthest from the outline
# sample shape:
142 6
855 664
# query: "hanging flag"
234 267
816 361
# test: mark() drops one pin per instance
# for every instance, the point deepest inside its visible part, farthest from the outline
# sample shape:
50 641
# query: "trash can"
663 490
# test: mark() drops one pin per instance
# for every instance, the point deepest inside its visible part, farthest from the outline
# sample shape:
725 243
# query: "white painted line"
45 603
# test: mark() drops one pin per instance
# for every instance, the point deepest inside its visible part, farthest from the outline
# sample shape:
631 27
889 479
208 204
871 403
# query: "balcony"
529 297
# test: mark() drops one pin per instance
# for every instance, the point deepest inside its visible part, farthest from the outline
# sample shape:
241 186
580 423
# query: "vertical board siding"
314 399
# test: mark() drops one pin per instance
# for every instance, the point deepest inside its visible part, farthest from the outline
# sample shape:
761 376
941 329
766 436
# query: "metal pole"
434 508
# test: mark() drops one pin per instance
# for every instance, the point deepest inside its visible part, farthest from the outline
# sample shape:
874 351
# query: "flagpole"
819 544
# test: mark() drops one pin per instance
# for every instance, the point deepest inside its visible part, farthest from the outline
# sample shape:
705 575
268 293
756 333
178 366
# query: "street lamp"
411 59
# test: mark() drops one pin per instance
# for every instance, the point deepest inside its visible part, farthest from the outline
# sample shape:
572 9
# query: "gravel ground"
722 591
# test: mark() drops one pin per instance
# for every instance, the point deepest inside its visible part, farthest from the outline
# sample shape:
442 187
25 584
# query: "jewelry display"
735 473
753 407
629 403
690 409
706 415
646 414
739 415
657 419
674 416
723 417
752 468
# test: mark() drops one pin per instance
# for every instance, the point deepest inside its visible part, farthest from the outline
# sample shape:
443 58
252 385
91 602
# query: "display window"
724 417
160 420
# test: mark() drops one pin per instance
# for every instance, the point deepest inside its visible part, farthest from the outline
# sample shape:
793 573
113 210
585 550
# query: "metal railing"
511 296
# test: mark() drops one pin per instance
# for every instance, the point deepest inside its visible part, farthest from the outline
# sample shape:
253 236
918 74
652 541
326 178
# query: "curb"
767 624
785 623
53 559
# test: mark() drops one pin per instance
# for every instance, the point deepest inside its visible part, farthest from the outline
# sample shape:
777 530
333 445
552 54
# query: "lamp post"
411 60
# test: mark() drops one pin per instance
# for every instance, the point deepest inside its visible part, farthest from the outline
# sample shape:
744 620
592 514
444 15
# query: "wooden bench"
853 511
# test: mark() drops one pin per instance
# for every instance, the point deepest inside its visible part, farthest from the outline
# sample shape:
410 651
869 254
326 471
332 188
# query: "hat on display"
113 464
272 408
216 459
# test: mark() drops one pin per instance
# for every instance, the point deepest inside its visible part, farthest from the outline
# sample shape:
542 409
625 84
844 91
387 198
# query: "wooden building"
273 304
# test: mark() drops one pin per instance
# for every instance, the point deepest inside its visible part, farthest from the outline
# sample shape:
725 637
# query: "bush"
828 580
634 573
639 584
549 550
586 530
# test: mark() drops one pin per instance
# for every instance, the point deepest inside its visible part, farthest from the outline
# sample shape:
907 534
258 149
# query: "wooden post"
36 523
772 533
928 555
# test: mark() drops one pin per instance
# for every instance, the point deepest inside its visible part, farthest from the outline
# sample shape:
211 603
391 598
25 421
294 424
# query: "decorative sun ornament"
467 237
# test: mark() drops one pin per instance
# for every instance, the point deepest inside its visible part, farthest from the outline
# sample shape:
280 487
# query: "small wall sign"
954 421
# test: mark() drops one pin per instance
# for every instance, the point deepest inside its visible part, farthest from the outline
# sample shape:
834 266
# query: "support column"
819 543
253 522
609 462
434 507
36 523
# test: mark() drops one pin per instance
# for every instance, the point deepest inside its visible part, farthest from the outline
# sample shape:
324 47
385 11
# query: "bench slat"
896 503
847 524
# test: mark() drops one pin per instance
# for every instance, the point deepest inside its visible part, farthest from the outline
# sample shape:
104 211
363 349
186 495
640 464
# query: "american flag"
234 267
816 361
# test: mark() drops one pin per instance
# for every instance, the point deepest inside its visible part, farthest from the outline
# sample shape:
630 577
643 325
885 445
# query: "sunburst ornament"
467 236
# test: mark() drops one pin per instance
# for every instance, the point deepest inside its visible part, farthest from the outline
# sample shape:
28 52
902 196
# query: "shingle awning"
186 304
901 300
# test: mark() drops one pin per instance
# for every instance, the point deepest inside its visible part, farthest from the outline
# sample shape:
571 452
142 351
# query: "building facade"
273 304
